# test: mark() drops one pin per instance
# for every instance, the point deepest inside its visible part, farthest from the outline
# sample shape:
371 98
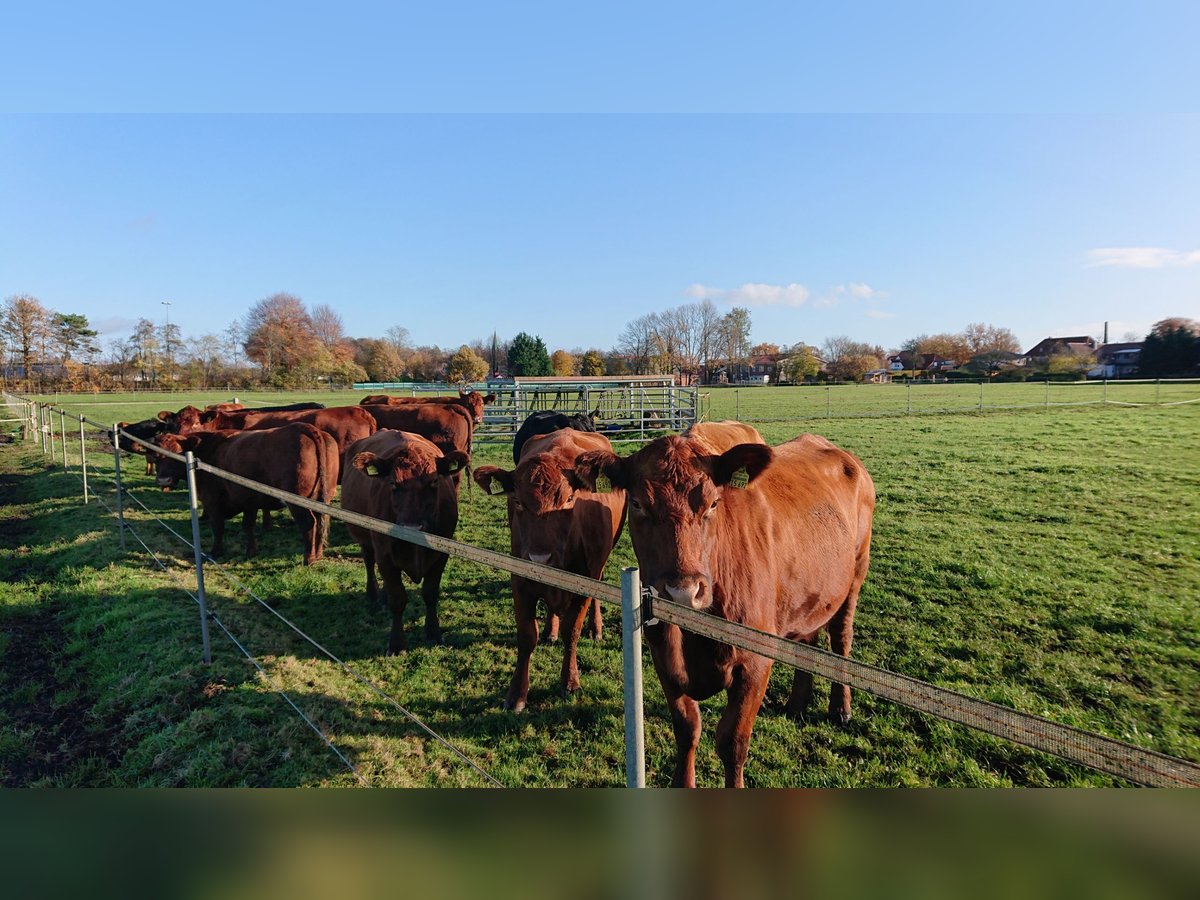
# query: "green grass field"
1045 559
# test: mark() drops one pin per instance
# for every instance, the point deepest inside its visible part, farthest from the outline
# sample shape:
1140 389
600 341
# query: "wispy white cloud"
879 314
793 294
859 291
1142 257
113 323
754 294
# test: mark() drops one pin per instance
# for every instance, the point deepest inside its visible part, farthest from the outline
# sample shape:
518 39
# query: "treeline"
282 343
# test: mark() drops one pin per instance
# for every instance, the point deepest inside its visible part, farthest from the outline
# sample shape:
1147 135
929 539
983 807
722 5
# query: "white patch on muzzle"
540 558
686 595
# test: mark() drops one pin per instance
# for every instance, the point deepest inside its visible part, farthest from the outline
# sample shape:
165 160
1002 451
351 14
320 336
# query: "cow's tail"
322 520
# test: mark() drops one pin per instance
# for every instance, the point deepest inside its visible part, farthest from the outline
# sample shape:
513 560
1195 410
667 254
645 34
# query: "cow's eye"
713 505
635 505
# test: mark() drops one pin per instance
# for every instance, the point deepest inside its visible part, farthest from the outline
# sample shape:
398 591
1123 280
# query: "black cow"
545 421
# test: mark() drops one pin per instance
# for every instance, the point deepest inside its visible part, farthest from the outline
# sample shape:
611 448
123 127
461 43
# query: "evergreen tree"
528 356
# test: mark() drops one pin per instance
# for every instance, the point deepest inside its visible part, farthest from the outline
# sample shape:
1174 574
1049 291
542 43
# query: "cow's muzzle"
688 590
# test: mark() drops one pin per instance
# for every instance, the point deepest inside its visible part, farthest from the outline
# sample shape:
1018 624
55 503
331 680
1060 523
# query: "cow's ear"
452 462
599 471
368 463
494 480
165 416
740 465
490 398
190 442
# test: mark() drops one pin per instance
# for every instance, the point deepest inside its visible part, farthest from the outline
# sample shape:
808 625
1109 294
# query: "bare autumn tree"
849 360
280 337
25 324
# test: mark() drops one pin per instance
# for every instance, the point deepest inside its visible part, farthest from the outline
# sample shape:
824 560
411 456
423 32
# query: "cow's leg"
575 614
218 527
249 518
525 613
746 692
431 587
550 630
397 600
309 533
841 636
802 685
666 651
368 552
597 619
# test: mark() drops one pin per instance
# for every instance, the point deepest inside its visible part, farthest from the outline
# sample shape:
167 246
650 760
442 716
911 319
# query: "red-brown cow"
401 477
554 521
776 540
472 401
345 424
448 426
717 437
297 458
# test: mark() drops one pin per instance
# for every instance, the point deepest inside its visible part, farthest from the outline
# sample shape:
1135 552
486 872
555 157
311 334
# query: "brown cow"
297 458
554 521
448 426
717 437
472 401
345 424
776 540
401 477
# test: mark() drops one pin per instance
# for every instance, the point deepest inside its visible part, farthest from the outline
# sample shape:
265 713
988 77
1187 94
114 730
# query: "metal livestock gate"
634 408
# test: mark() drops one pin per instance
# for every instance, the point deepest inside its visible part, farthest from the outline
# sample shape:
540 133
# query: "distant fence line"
640 607
758 404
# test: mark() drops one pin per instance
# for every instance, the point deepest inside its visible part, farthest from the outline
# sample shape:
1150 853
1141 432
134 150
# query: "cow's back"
447 426
805 525
717 437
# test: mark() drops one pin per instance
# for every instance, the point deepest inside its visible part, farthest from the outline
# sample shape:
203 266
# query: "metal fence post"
50 433
83 460
41 415
62 422
190 465
116 433
631 652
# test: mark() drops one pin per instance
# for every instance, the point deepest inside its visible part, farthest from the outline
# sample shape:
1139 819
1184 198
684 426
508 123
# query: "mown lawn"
1046 559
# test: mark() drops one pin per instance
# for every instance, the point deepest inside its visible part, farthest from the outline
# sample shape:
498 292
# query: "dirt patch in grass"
46 739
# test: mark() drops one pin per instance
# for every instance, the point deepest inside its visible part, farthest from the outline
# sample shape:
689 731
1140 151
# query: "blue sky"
1036 167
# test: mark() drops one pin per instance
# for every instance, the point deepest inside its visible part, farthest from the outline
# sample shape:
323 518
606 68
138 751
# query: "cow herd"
774 538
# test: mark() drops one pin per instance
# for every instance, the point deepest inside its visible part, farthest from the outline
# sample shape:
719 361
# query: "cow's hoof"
516 706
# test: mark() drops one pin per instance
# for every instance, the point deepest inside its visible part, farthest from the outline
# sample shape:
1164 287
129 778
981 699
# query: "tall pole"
83 460
116 432
190 465
631 651
62 421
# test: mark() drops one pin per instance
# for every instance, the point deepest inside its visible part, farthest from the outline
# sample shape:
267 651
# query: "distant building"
1079 345
1117 360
